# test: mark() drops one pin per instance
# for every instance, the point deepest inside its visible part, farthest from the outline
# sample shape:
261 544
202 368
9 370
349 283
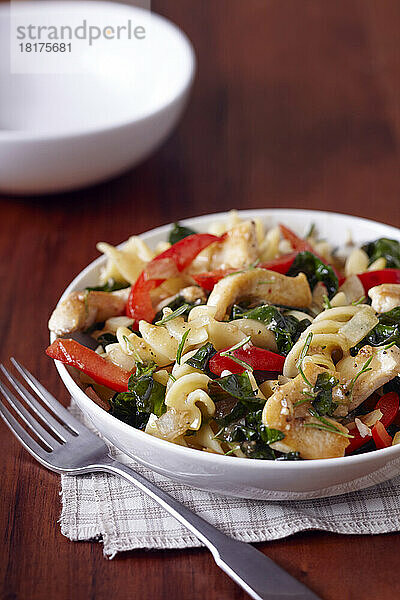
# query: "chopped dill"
326 302
177 313
303 354
228 353
359 301
181 346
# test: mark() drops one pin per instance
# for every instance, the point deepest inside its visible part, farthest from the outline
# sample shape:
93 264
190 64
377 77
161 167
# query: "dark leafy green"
251 436
202 357
385 332
286 328
142 370
234 398
178 232
144 396
107 338
322 392
384 248
228 410
238 414
236 385
315 271
110 286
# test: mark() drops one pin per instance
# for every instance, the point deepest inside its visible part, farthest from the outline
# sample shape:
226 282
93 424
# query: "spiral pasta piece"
186 392
125 264
332 336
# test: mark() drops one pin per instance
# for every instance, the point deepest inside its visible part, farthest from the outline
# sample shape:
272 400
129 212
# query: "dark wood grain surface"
296 104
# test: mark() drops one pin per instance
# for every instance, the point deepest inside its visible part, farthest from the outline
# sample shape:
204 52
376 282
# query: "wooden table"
296 104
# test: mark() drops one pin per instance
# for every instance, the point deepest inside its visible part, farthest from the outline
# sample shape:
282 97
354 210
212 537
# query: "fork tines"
49 430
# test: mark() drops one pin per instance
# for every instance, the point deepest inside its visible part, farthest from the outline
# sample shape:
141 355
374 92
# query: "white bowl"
243 477
60 131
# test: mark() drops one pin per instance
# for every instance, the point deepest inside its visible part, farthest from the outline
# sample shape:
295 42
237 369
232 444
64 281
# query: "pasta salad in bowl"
230 351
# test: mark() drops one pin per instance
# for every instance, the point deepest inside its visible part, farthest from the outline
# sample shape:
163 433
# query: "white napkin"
109 509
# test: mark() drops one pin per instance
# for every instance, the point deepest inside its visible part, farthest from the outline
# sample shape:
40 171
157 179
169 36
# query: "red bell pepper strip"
139 304
356 441
388 404
296 242
370 279
89 362
257 358
381 437
208 279
281 264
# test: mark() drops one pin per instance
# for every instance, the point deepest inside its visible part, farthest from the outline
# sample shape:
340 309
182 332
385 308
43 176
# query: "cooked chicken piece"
385 297
385 365
299 427
82 309
259 285
352 288
238 249
193 293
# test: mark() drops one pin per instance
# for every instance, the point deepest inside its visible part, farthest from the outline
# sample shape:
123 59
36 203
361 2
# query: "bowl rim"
390 452
28 136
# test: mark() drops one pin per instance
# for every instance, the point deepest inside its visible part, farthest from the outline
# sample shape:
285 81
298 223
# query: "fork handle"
257 574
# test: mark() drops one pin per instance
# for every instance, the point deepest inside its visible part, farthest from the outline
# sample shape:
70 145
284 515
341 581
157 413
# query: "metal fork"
73 449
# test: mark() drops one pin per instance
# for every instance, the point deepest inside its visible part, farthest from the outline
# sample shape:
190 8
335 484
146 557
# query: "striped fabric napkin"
108 509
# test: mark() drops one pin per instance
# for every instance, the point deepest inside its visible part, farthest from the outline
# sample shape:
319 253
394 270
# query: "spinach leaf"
384 248
142 370
123 407
286 328
234 398
229 410
178 232
385 332
251 435
144 396
236 385
323 402
315 270
238 414
202 357
150 395
107 338
110 286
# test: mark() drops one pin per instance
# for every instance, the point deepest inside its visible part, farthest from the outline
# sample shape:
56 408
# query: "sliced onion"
359 326
363 429
173 423
371 418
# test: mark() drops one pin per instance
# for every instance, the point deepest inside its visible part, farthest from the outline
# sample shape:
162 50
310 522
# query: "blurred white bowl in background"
63 131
